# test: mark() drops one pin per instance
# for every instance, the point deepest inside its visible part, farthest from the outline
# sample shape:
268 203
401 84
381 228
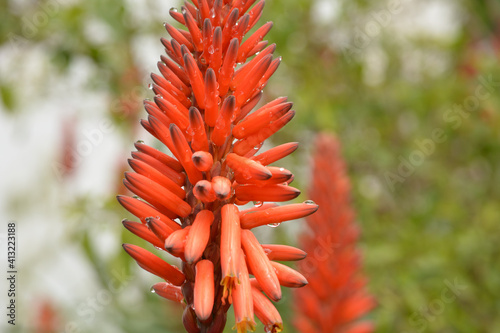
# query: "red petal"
155 265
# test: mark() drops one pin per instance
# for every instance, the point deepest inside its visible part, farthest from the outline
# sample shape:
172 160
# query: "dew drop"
124 220
211 49
152 290
150 86
282 169
273 225
183 10
309 202
136 197
258 203
173 9
139 141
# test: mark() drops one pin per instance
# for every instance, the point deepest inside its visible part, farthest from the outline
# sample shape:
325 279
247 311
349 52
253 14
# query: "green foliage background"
436 225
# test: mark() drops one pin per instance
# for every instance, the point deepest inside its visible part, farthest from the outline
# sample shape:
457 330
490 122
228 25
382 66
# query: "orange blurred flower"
335 298
202 112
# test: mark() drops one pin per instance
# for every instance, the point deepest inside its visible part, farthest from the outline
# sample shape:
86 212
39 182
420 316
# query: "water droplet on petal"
135 197
258 203
173 9
282 169
273 225
139 141
152 290
309 202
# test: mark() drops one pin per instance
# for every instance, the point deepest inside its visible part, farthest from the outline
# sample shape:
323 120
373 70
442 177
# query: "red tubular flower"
203 112
335 298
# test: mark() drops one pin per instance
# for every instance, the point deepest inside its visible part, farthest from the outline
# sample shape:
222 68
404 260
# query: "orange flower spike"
221 187
171 201
244 91
252 41
202 160
185 154
155 265
204 289
143 232
223 124
159 229
276 153
243 146
230 246
158 155
176 242
288 277
168 291
266 312
197 128
247 168
227 69
198 236
283 252
177 177
211 98
215 58
277 214
172 113
253 123
276 193
196 79
203 191
192 26
143 210
260 265
146 170
242 300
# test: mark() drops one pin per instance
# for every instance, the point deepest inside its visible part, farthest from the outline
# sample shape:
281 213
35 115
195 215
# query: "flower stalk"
192 203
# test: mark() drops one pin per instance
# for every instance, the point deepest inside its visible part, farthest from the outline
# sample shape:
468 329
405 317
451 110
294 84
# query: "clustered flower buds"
206 111
335 299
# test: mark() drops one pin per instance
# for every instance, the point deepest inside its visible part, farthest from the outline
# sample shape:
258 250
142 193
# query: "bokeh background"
411 88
